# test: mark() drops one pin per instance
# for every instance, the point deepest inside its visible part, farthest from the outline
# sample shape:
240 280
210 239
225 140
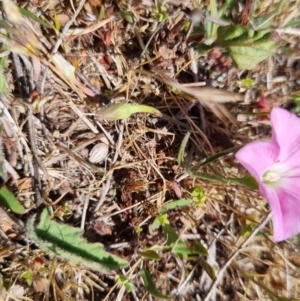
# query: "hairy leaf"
175 204
246 47
66 242
248 56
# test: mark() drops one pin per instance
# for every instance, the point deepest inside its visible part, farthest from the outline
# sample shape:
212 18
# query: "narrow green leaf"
247 181
215 157
182 148
292 23
124 110
214 13
150 254
126 16
3 86
56 22
66 242
227 6
150 286
266 21
206 176
9 201
102 12
32 16
175 205
207 267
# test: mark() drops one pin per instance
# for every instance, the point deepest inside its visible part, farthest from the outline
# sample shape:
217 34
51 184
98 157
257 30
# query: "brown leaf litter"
111 177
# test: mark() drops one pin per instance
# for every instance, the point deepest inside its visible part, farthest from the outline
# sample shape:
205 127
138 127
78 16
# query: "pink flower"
276 167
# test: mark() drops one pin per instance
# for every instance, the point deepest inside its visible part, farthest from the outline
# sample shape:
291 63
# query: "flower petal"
286 133
285 207
257 157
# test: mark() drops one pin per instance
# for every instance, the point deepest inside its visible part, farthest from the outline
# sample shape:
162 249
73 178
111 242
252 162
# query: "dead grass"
109 200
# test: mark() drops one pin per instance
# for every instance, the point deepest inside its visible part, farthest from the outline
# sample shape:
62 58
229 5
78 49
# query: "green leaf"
248 56
150 286
247 230
156 224
247 181
199 196
207 267
3 86
246 47
56 22
150 254
215 157
32 16
160 220
175 205
129 287
138 230
66 242
160 14
182 148
230 32
246 83
211 27
292 23
227 6
27 275
124 110
202 48
171 235
184 250
206 176
181 248
102 12
126 16
9 201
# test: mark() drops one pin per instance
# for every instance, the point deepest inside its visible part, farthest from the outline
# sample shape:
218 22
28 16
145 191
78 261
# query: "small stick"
67 26
30 127
107 185
152 36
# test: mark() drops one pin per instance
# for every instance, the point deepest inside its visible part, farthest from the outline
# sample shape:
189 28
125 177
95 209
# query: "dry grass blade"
210 98
135 52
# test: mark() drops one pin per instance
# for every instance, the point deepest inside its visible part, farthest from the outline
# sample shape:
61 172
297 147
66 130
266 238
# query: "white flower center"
278 172
271 176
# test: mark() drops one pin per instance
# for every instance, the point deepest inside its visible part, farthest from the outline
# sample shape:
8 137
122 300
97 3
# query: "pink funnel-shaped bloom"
276 167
